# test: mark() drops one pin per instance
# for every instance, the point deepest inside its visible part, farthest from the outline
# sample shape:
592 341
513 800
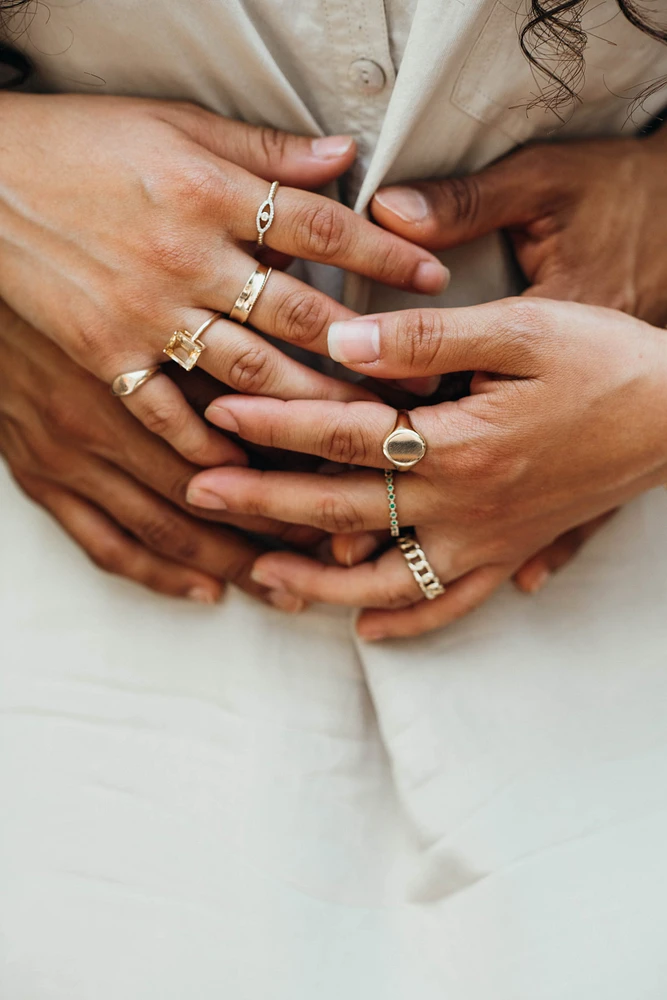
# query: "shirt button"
367 76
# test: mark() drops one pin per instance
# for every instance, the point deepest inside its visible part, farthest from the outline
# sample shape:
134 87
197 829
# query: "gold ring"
266 213
129 382
185 348
404 446
252 290
425 577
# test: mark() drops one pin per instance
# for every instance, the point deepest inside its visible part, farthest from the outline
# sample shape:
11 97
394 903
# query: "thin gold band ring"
251 291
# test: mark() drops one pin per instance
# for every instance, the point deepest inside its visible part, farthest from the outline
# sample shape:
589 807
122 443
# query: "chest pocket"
497 83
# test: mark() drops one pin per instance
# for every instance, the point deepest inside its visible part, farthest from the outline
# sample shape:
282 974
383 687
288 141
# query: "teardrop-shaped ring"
266 213
404 446
129 382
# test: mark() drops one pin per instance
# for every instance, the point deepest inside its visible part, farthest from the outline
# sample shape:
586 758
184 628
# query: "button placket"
358 43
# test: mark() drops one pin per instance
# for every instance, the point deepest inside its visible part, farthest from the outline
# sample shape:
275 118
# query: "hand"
124 219
570 423
585 220
118 490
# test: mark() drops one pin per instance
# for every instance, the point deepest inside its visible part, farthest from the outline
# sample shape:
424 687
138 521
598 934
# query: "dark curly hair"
552 40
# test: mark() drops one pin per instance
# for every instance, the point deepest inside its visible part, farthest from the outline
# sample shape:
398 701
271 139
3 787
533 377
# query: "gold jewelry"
185 348
391 497
252 290
426 579
404 446
266 213
129 382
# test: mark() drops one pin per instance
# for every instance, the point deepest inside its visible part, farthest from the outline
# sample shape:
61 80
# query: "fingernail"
539 580
407 203
431 277
421 386
266 579
286 602
204 498
221 417
354 341
360 548
201 595
331 146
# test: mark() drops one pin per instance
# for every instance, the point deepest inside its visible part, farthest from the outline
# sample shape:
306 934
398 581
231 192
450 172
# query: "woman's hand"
122 220
118 490
585 220
570 422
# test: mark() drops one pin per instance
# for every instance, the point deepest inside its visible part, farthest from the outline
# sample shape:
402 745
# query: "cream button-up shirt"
200 804
427 87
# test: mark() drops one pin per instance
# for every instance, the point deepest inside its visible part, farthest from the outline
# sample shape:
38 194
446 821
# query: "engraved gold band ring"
251 291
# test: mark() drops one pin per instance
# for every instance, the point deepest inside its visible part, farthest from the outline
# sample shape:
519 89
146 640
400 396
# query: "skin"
157 232
581 219
566 420
116 489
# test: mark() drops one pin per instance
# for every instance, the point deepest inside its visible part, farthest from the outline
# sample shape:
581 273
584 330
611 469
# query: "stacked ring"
391 497
424 574
251 291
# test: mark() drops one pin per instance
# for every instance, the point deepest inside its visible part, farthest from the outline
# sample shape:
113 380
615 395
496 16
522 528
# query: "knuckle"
274 143
419 350
303 315
65 413
165 534
252 371
165 248
321 231
461 197
337 514
342 442
110 557
237 567
163 419
525 317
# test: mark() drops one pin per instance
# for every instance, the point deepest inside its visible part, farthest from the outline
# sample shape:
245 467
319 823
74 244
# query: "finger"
301 161
535 573
461 598
350 550
346 433
445 213
163 410
340 504
316 228
385 583
286 308
115 552
246 362
149 460
496 337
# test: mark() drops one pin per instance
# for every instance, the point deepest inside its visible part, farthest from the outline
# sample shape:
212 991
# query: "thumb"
442 214
294 160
